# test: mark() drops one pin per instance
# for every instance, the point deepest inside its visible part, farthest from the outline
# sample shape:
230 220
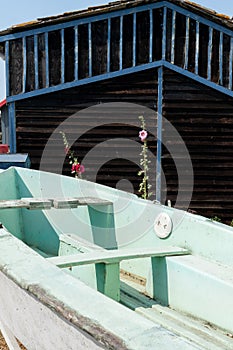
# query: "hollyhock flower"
143 135
81 169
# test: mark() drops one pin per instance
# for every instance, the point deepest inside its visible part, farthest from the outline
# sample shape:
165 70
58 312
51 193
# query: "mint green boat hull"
187 276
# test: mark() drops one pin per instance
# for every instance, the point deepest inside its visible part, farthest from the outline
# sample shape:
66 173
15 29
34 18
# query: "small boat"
85 266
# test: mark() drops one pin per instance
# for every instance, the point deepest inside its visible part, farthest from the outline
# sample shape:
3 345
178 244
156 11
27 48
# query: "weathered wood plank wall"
204 119
37 119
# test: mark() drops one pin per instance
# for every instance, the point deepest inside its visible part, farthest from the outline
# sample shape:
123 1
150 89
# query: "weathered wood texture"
204 119
37 119
113 44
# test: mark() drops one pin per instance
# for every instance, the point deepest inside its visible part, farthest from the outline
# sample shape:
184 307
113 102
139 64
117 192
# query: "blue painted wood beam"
76 52
210 48
198 78
24 65
186 51
7 67
86 20
198 18
121 44
164 38
151 37
109 46
221 59
84 81
197 47
134 38
173 37
12 127
230 64
62 56
90 49
159 134
118 13
36 67
46 59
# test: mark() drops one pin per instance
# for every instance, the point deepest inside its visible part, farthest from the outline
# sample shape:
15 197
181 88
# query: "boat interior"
170 266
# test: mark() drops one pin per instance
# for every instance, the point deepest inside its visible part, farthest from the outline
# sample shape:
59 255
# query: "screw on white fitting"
163 225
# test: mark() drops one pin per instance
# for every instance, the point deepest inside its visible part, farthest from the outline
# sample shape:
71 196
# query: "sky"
15 12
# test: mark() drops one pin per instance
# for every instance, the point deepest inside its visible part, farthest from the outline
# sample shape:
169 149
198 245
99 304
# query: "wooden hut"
174 57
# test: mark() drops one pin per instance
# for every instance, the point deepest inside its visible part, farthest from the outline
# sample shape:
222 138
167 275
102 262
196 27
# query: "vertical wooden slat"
90 49
151 37
24 64
164 42
7 67
197 47
47 59
221 59
210 47
173 37
159 134
134 38
109 45
76 53
62 56
230 64
36 67
12 127
186 52
121 44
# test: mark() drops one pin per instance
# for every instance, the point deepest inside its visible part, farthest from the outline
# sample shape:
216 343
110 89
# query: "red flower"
75 167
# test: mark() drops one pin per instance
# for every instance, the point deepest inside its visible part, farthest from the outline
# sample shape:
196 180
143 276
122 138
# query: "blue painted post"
230 65
164 43
210 46
186 52
36 68
12 127
173 37
109 45
134 38
221 59
121 44
47 58
159 134
7 67
76 53
151 37
90 49
197 48
62 56
24 64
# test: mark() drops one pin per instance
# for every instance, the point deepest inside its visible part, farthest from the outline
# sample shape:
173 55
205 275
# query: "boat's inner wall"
11 218
31 226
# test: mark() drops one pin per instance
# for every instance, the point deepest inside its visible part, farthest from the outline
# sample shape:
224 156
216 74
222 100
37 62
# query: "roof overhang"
114 6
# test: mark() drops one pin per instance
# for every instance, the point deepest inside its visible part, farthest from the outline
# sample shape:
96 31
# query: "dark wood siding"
37 119
204 119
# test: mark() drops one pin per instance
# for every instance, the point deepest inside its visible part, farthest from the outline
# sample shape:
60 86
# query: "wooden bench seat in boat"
107 263
39 203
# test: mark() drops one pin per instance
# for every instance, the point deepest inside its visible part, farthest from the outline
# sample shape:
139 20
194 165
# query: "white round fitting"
163 225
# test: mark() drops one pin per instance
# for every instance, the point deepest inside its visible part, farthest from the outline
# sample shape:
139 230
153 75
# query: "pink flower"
81 169
143 135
